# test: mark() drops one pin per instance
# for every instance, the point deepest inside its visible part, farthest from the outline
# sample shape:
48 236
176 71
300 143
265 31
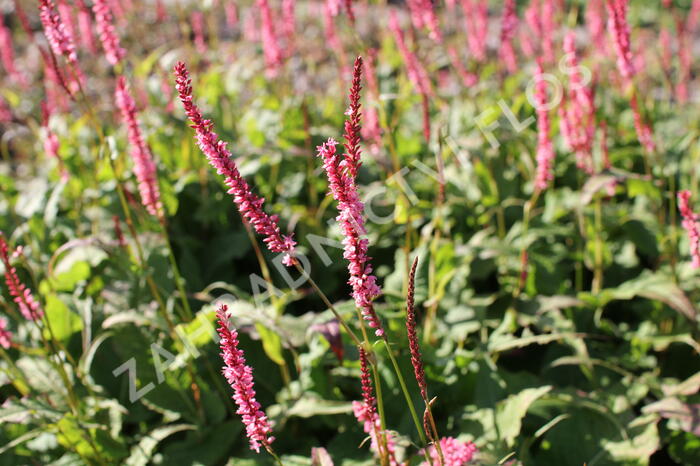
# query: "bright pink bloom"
87 38
468 78
548 27
693 16
334 6
456 453
331 37
619 30
105 29
5 334
644 132
65 11
366 413
423 15
240 377
28 306
578 113
416 72
56 32
476 16
271 48
539 16
690 223
344 191
144 167
197 20
545 151
509 27
349 11
249 205
288 21
595 22
7 54
162 12
231 11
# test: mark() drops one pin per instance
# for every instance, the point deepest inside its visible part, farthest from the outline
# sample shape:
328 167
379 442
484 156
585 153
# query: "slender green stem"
404 389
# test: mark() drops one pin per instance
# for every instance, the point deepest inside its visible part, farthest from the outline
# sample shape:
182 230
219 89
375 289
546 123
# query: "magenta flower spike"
476 17
57 34
240 377
456 453
87 38
595 22
509 27
365 412
7 54
22 296
545 151
273 53
578 111
5 334
104 22
690 223
619 30
144 167
416 73
414 347
249 205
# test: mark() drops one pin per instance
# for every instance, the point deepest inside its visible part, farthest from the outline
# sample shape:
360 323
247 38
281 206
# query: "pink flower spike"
5 334
366 413
57 35
144 167
509 27
7 54
87 38
344 190
114 53
414 347
476 17
249 205
22 296
545 151
690 223
456 453
619 29
271 48
240 378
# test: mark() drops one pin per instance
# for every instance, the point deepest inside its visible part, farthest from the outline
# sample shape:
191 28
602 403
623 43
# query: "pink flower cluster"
58 36
344 191
366 413
509 27
28 306
5 334
144 167
423 15
620 32
595 22
476 17
578 113
690 223
105 29
273 53
455 453
545 151
413 346
7 54
240 377
415 70
249 205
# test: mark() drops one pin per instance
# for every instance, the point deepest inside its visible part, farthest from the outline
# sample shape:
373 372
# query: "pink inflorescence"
545 151
620 32
578 113
28 306
690 223
240 377
476 17
344 191
5 334
273 53
87 38
105 29
455 453
57 34
144 167
415 70
509 27
249 205
366 412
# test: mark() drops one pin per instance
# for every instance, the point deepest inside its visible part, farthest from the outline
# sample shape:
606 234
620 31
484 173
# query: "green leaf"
511 411
142 453
63 321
